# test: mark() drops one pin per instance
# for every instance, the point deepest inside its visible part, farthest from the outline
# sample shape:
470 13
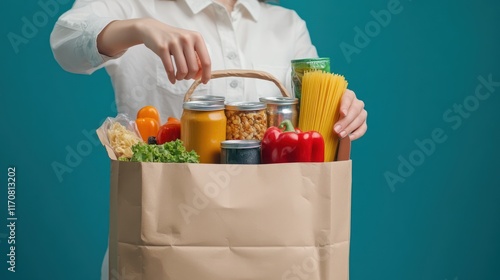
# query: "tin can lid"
240 144
207 97
301 65
279 100
310 60
203 106
245 106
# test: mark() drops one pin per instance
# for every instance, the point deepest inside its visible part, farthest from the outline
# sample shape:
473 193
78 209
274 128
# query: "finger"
192 62
180 62
206 64
198 74
358 133
356 123
188 41
354 111
346 102
166 59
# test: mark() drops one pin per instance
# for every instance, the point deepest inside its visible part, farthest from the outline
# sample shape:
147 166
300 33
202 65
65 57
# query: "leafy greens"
173 151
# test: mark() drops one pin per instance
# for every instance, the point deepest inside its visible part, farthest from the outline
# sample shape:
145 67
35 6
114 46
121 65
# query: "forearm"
96 40
118 36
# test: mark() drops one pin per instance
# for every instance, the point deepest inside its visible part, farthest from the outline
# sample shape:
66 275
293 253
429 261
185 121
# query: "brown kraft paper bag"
209 221
175 221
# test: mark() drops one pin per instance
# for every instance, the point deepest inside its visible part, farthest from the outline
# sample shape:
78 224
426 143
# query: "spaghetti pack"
320 105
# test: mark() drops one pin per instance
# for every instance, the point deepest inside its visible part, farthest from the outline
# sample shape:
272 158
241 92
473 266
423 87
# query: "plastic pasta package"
122 135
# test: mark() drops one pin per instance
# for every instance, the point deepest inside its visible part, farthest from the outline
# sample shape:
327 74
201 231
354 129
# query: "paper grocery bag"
213 221
171 221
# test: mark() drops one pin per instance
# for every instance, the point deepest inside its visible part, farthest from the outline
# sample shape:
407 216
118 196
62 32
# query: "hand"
185 48
353 116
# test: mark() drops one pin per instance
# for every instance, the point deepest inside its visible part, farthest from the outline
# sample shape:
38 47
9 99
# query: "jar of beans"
245 120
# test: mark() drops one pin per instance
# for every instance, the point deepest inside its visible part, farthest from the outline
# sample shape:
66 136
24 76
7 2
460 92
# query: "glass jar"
203 128
240 152
279 109
246 120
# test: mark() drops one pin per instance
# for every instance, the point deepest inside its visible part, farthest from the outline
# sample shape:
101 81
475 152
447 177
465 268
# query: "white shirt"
254 36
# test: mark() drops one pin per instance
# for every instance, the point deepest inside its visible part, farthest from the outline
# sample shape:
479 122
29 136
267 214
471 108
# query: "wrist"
135 30
118 36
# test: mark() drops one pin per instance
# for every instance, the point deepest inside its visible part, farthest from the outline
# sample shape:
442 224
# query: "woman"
153 48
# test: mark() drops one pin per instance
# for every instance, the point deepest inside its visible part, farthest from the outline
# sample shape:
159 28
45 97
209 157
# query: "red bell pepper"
170 131
286 144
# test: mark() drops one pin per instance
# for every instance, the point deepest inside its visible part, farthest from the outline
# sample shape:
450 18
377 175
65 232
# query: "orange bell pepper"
149 112
147 127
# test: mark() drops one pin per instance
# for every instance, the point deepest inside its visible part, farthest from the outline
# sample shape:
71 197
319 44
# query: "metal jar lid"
203 106
245 106
279 100
240 144
207 97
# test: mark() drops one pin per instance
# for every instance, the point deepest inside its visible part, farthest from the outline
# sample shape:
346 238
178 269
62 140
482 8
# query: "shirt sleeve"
303 45
74 37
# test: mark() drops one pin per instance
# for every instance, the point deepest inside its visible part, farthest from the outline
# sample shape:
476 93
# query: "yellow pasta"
320 105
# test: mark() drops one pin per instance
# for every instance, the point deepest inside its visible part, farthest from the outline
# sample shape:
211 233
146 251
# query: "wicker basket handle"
242 74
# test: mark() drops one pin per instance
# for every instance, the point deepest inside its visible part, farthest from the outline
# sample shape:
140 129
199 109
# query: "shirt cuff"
87 44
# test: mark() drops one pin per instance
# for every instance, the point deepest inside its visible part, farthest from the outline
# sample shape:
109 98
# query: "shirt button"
231 55
234 84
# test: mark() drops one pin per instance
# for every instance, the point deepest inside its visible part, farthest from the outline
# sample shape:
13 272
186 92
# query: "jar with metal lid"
240 152
279 109
208 97
246 120
203 128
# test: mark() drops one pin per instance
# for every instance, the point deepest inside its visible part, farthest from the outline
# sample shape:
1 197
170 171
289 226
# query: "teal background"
442 222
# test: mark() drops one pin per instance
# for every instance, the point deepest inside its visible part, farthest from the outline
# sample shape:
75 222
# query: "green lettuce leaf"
169 152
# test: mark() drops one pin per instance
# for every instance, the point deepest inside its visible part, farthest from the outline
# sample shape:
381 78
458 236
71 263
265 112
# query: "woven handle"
242 74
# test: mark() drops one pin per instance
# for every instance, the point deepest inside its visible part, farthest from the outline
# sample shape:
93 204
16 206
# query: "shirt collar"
252 6
197 6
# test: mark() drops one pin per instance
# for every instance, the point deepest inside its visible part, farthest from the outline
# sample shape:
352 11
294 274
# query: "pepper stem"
287 126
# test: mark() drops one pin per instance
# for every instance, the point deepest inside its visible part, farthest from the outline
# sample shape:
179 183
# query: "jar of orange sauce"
203 128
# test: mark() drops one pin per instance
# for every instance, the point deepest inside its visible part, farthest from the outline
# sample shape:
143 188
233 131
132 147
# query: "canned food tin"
300 66
203 128
246 120
240 152
207 97
280 109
